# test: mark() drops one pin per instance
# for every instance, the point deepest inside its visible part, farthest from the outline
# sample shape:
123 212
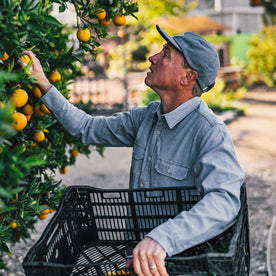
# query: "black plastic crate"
93 230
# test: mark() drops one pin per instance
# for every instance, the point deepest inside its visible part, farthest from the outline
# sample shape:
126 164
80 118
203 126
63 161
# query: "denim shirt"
190 146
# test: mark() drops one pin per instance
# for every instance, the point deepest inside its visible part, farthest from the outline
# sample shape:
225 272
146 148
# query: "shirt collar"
174 117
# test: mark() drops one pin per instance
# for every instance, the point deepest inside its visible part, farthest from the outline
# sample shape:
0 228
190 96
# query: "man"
176 142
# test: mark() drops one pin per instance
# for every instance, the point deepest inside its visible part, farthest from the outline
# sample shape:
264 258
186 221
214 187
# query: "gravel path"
254 136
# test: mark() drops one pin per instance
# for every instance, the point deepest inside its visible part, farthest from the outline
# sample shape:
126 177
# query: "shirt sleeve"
117 130
219 177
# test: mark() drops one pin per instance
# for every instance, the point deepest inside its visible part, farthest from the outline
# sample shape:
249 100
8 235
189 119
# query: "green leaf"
8 209
51 20
4 193
86 47
62 7
32 161
4 247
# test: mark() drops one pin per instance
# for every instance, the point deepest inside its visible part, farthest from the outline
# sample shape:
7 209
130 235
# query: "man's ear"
189 78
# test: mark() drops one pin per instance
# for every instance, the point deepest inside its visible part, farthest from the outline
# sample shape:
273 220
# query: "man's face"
166 69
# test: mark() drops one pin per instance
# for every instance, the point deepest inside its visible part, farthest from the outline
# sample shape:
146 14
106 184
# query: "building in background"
242 16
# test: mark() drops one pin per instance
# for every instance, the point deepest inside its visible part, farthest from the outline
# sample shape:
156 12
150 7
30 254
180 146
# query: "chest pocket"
175 174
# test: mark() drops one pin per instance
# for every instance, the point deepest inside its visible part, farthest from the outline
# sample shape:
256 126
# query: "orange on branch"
119 20
44 108
28 109
100 13
42 217
5 57
25 58
36 91
63 170
54 76
38 136
13 224
105 22
83 35
38 111
19 97
74 152
45 212
19 121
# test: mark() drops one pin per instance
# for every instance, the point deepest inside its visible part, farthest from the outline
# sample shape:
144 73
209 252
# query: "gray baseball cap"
200 55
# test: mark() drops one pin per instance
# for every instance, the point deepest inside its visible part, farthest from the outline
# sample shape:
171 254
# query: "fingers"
149 259
28 53
36 70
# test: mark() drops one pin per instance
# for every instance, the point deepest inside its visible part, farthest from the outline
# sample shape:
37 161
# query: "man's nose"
153 58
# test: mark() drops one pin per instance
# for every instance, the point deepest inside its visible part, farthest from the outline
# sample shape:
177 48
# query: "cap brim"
168 37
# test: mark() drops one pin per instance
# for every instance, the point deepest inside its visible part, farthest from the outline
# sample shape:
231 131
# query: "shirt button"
158 132
149 158
169 171
142 185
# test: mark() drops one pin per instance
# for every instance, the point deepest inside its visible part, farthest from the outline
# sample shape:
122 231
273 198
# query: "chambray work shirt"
188 146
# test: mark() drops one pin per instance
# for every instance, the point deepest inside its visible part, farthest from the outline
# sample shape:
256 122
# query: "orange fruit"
44 108
56 53
28 109
19 97
36 91
38 111
19 121
5 57
45 212
28 117
100 13
74 152
13 224
119 20
63 170
42 217
105 22
83 35
54 76
38 136
25 58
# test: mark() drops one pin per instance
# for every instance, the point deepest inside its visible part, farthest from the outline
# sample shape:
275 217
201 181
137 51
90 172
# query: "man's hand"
37 71
149 258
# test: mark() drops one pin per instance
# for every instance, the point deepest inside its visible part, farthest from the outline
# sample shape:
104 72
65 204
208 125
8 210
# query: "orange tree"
33 145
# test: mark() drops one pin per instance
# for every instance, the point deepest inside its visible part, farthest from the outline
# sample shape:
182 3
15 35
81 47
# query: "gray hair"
197 91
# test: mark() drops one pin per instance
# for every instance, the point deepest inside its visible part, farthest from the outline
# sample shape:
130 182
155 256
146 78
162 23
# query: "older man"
177 141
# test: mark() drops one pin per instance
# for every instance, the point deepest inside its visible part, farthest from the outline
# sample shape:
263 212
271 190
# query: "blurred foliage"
218 99
262 58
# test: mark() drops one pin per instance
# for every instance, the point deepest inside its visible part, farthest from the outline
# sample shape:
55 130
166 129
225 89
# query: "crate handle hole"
111 195
154 194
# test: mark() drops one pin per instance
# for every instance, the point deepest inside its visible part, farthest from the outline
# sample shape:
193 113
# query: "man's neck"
169 104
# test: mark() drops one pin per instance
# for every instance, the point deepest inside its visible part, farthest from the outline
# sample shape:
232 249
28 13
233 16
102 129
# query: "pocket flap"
171 169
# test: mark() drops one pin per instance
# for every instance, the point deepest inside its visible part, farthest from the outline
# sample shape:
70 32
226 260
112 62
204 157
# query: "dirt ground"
254 136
